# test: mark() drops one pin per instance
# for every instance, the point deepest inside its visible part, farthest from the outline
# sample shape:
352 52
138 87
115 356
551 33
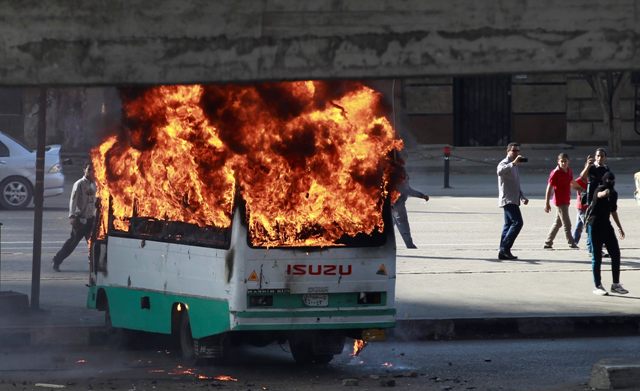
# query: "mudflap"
328 343
322 342
212 348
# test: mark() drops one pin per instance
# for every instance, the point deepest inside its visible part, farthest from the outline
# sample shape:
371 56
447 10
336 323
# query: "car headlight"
55 168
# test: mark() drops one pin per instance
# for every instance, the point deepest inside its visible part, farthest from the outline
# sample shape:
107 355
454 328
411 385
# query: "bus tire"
187 346
302 352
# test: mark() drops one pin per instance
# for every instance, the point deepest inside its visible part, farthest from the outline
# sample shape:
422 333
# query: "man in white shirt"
82 213
509 197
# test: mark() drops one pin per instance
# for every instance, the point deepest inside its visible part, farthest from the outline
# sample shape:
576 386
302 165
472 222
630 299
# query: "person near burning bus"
509 197
399 209
82 213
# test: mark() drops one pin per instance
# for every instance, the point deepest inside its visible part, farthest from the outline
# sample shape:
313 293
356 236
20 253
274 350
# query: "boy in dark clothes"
601 232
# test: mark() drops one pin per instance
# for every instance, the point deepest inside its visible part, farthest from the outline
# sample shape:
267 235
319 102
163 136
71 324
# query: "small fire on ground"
179 370
358 346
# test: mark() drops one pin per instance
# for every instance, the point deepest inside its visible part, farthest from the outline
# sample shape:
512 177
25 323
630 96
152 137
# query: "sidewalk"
452 286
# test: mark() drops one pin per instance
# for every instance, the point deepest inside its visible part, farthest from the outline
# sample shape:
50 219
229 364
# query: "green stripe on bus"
349 299
347 313
207 316
328 326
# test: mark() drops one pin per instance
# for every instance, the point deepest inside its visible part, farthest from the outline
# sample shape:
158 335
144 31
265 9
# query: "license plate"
316 299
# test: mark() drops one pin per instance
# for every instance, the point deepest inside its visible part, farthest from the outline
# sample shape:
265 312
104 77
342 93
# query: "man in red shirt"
560 183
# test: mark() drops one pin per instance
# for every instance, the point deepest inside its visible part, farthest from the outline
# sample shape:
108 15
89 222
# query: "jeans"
604 235
512 225
399 213
577 232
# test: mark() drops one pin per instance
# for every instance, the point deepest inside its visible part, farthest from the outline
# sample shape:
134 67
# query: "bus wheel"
187 346
303 352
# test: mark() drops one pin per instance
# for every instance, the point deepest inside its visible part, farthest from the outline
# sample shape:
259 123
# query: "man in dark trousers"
592 173
603 206
399 209
82 213
509 197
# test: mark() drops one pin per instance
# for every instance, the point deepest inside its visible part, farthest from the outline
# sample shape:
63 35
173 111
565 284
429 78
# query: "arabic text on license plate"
316 300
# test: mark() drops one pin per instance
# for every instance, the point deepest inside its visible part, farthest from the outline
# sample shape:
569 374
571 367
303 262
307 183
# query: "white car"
636 178
18 173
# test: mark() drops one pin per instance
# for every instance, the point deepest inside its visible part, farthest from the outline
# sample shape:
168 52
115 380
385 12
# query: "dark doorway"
11 116
482 110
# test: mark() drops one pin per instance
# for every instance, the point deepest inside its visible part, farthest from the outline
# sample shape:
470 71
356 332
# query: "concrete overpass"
67 42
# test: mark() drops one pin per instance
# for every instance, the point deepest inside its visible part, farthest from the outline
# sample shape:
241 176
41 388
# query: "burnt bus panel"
175 232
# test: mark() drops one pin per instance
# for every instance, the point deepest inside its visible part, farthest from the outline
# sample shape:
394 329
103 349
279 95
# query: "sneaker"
573 245
55 267
548 246
617 288
599 290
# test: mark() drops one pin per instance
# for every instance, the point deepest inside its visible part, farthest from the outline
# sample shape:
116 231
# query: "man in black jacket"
601 232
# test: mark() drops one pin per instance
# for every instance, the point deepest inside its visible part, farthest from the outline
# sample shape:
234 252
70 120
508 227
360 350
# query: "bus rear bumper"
316 320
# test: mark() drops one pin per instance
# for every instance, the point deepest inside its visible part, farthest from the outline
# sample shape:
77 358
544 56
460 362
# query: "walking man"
509 197
82 212
559 184
399 209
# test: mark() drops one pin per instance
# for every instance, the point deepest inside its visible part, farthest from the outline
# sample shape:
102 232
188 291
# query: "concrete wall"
71 42
538 104
428 103
546 108
584 115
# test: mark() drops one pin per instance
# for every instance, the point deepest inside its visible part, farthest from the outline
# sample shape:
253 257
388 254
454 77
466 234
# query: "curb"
505 328
53 336
614 374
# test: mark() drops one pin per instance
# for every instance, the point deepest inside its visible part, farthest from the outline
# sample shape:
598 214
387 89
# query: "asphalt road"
540 364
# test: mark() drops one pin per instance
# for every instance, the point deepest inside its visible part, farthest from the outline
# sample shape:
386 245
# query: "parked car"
18 173
636 178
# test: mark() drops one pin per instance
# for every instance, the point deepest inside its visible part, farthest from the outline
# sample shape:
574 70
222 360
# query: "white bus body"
212 296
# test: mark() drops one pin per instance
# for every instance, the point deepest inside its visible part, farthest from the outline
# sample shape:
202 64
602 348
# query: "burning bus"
248 214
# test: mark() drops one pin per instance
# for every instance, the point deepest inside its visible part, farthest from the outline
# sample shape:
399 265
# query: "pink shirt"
561 183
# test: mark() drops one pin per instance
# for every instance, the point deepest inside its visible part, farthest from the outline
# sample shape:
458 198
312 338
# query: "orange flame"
225 378
312 160
358 346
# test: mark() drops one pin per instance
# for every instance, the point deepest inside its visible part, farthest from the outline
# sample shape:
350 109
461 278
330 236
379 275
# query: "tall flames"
312 160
